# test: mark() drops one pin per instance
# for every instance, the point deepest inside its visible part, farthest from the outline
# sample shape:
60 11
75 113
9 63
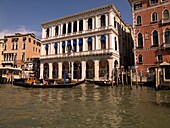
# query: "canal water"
85 106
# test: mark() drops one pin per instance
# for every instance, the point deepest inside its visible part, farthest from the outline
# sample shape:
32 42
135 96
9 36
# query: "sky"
26 16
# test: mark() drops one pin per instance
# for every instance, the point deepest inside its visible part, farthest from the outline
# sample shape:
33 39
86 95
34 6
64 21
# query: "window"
115 23
16 48
115 44
166 15
5 46
46 49
90 23
47 33
160 58
81 25
139 20
69 27
167 35
90 41
80 44
103 42
140 40
140 59
154 17
75 26
153 2
56 47
56 31
74 45
13 46
103 22
63 47
137 6
155 38
23 56
64 28
23 47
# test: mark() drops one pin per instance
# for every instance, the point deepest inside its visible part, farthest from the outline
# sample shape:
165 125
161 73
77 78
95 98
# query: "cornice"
95 10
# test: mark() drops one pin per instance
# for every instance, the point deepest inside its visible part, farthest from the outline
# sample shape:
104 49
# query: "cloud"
21 29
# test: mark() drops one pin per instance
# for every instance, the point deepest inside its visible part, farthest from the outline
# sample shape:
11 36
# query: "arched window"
56 47
154 17
140 40
89 43
64 28
155 38
47 32
103 42
69 27
167 35
140 59
81 25
103 21
46 49
166 15
63 47
90 23
56 30
139 21
160 57
75 26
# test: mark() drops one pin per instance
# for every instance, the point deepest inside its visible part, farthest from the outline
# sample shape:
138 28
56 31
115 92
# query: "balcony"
166 45
8 61
165 21
81 54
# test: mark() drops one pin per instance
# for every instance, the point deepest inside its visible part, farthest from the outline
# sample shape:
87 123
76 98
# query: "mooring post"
136 78
140 78
156 78
131 78
126 77
122 78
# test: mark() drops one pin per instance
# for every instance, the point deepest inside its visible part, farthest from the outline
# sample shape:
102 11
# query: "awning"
74 42
46 46
69 43
55 45
89 40
80 41
103 38
63 44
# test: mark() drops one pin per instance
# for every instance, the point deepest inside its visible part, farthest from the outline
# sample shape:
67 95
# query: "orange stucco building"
19 48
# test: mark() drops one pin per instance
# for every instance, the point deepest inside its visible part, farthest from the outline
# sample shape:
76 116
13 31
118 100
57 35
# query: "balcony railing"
81 54
166 45
8 61
165 21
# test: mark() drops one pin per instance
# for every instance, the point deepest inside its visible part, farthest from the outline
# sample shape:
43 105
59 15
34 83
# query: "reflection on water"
85 106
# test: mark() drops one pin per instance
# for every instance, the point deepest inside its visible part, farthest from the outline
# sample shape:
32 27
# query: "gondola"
103 83
28 85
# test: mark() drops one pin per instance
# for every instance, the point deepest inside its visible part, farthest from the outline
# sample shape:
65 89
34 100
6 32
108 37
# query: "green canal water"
85 106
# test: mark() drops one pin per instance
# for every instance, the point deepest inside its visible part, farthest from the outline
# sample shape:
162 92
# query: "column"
66 28
50 70
111 40
93 22
53 31
50 32
41 70
59 70
84 44
110 18
43 33
61 30
111 67
96 69
97 45
77 25
83 73
106 20
96 22
60 47
77 45
84 24
72 24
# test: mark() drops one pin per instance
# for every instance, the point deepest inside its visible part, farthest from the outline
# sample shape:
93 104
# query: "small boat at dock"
30 85
103 83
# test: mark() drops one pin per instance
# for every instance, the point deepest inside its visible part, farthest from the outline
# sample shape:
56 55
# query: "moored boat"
103 83
28 85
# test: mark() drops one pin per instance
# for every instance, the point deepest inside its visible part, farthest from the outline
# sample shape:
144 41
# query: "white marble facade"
85 45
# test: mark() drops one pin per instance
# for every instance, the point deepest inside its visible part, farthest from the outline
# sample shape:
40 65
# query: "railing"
165 21
166 45
8 61
80 54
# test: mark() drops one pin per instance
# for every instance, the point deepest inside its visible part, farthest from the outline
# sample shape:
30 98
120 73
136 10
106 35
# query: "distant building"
1 51
151 23
20 48
87 45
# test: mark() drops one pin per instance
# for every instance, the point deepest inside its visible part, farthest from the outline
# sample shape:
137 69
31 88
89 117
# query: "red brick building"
151 23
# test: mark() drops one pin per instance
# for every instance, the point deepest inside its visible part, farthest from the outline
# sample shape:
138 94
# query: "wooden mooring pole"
136 78
131 78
